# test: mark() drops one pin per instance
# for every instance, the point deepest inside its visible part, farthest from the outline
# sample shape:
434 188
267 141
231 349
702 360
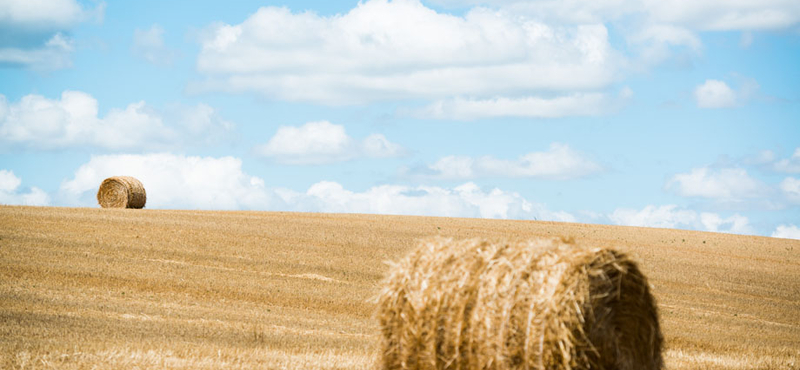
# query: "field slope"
124 289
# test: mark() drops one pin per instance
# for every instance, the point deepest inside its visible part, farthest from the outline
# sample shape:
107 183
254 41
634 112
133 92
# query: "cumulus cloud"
402 49
577 104
186 182
726 184
10 192
717 94
673 217
322 143
736 224
560 162
714 94
73 121
149 45
34 33
787 232
172 181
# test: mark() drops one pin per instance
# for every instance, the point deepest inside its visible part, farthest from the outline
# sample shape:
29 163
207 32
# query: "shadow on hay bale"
541 304
121 192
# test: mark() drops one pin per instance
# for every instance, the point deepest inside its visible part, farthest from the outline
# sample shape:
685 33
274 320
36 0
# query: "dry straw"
542 304
121 192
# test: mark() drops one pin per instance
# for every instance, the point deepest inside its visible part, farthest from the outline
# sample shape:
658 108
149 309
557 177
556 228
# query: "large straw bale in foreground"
121 192
541 304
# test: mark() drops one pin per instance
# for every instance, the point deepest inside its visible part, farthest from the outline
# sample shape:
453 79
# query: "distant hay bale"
121 192
541 304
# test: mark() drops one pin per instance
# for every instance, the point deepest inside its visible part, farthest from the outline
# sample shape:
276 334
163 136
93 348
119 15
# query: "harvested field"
122 289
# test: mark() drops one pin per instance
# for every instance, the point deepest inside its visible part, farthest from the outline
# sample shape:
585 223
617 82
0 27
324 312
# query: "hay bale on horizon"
541 304
121 192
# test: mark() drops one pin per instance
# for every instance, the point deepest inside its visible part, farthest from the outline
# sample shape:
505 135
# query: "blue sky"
681 114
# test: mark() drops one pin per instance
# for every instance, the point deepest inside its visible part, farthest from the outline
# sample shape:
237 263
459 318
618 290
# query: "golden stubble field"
155 289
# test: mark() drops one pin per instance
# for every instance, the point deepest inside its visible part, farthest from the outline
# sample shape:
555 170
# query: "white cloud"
322 143
10 194
673 217
668 216
54 54
9 182
73 121
33 32
377 146
577 104
175 181
467 200
787 232
791 189
737 224
560 162
42 14
149 45
454 167
714 94
198 124
789 165
172 181
654 28
727 184
402 49
722 15
669 35
657 43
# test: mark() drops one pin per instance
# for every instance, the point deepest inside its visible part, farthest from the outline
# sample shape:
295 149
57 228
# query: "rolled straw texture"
121 192
540 304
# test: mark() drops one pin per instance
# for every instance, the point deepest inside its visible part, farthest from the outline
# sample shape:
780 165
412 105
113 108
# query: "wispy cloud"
788 165
698 15
725 185
149 45
560 162
577 104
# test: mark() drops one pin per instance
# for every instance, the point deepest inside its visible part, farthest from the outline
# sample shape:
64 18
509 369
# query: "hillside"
121 289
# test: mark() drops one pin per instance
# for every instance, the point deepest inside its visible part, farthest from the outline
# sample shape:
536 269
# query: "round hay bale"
541 304
121 192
